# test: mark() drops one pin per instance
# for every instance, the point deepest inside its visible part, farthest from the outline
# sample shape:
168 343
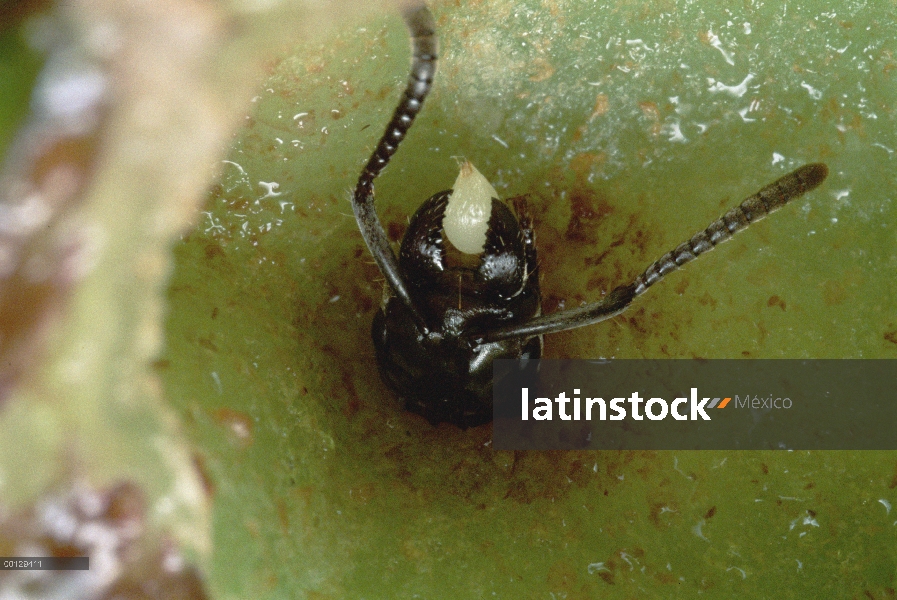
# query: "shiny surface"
444 373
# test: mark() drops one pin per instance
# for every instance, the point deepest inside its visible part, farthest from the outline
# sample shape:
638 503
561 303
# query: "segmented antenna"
425 47
756 207
770 199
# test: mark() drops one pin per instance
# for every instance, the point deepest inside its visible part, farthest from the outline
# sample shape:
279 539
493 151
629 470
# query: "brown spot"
552 303
303 494
707 300
655 512
238 424
709 514
208 344
25 307
665 577
283 516
395 231
609 575
598 259
543 70
240 204
517 492
562 576
776 301
585 208
601 106
765 469
161 364
351 407
365 303
351 402
583 164
650 110
891 336
125 505
384 92
833 293
213 250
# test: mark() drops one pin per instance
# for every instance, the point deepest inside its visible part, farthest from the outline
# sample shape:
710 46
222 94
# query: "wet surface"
274 294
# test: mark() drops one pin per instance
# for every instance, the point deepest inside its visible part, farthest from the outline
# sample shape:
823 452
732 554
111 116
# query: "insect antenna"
425 47
769 199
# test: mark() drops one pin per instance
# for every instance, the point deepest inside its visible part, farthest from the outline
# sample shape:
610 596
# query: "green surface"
618 123
18 69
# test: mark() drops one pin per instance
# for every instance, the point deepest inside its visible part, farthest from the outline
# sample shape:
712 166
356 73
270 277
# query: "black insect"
465 287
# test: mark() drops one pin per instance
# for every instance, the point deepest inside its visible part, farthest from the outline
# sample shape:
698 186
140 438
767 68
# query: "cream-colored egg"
469 208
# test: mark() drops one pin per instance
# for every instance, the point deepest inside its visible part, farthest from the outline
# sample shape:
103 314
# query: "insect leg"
425 46
767 200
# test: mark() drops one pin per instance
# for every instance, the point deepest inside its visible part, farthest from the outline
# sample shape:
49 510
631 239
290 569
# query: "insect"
464 289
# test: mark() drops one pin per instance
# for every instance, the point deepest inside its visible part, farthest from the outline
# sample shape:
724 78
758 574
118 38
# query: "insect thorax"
445 374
